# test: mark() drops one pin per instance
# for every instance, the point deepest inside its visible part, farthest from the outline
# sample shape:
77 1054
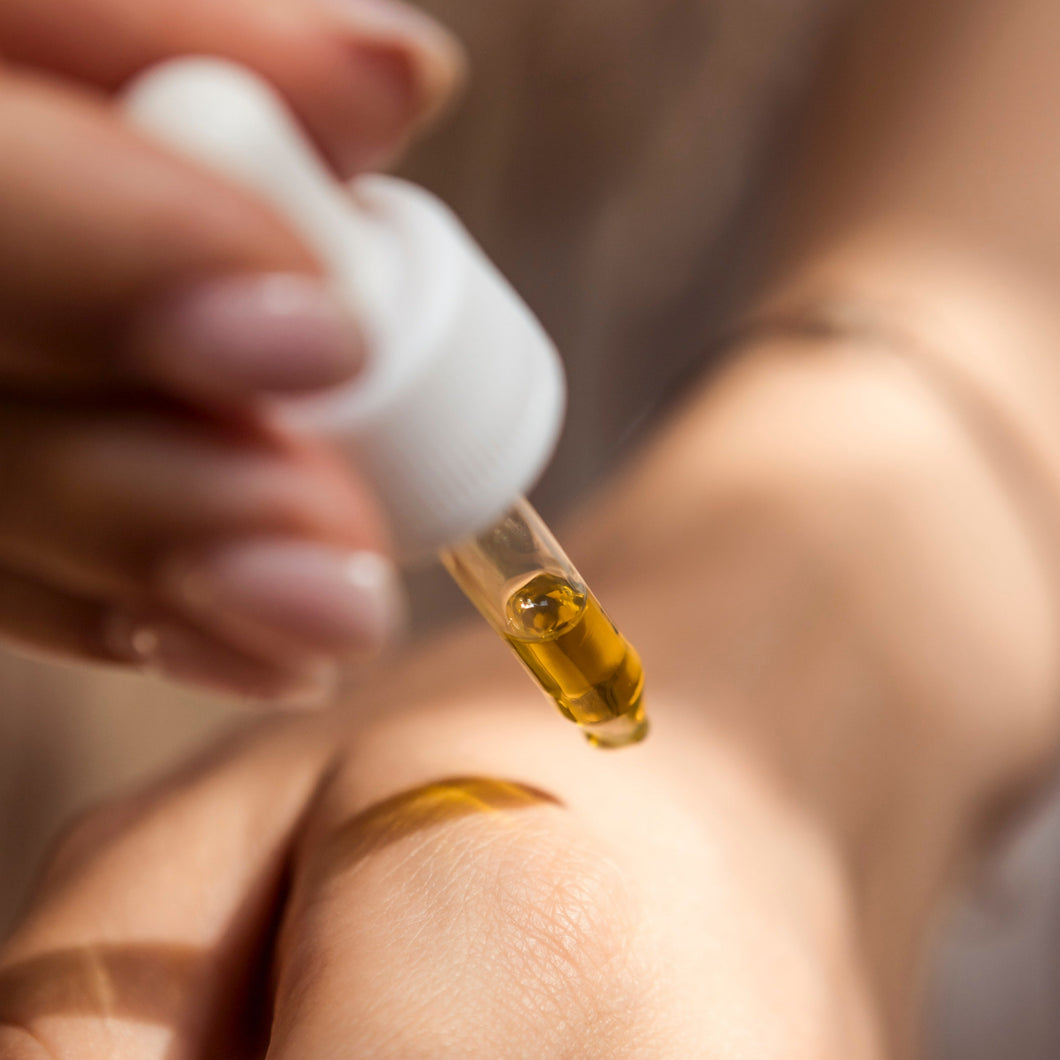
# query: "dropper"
460 406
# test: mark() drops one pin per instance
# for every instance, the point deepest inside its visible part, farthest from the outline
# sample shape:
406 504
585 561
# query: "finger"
93 491
39 618
362 73
271 544
152 924
220 342
97 216
132 266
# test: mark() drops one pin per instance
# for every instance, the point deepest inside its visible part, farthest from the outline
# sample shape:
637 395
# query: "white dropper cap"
460 406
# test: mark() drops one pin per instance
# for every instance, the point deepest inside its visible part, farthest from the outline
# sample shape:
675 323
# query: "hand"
842 708
466 881
149 514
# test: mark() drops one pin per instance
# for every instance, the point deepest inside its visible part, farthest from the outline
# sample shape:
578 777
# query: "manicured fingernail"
237 335
318 598
418 61
182 654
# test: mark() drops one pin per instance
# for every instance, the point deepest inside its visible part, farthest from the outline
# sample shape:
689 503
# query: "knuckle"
555 912
480 932
549 932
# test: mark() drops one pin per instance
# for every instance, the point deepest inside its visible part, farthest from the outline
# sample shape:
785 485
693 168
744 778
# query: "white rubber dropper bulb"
460 406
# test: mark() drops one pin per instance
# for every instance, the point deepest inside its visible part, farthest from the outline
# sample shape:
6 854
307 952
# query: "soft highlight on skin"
426 807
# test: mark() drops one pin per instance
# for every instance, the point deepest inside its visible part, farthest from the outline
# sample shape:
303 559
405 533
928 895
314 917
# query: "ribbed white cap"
461 404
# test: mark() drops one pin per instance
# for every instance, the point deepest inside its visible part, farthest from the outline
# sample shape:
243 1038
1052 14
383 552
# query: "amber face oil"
520 579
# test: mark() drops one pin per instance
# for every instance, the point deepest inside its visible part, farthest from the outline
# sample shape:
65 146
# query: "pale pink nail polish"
234 336
319 598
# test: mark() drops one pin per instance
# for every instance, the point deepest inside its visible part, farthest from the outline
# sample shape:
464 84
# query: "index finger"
361 73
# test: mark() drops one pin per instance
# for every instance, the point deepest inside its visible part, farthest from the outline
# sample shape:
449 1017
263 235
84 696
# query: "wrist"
980 326
980 331
819 552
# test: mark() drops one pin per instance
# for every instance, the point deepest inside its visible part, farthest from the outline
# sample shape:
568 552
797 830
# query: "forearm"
920 230
816 561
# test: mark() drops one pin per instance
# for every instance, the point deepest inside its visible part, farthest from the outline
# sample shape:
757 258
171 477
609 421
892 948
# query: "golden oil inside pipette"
574 651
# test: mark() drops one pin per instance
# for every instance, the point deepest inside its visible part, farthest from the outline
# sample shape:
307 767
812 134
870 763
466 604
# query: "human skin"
758 879
836 563
149 312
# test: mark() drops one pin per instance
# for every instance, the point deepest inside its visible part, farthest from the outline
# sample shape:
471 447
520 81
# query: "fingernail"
181 654
419 61
319 598
225 338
